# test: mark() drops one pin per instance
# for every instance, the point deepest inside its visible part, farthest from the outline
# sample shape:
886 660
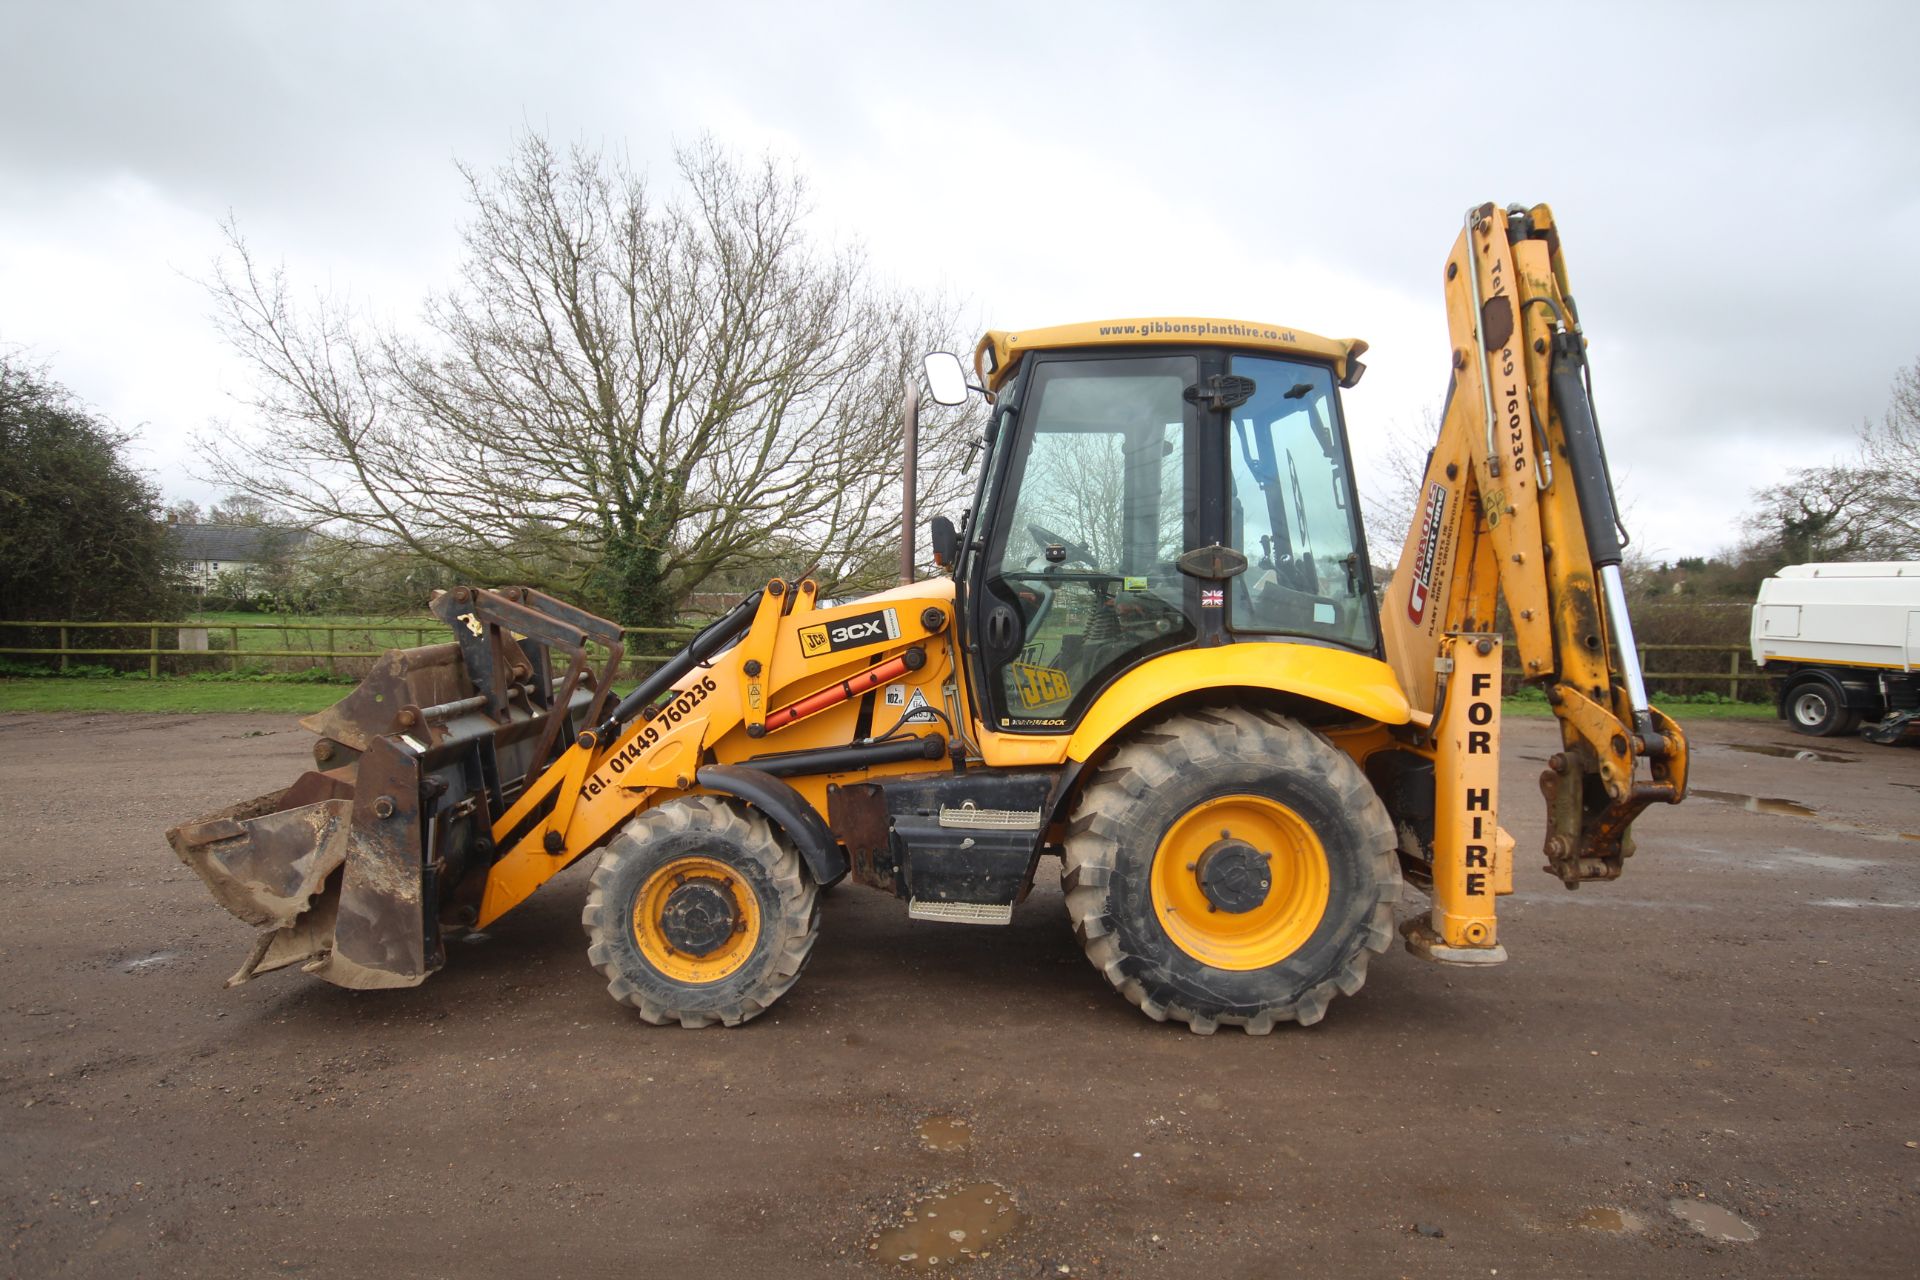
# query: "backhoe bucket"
353 870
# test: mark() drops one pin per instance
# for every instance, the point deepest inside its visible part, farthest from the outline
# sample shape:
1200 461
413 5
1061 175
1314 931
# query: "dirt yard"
1729 1031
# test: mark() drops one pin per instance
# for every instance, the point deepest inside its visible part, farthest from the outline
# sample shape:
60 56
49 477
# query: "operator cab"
1151 486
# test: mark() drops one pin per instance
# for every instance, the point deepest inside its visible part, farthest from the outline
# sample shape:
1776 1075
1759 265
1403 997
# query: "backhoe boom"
1516 503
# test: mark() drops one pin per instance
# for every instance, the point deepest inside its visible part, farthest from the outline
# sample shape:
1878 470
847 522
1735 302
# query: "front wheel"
1231 866
700 913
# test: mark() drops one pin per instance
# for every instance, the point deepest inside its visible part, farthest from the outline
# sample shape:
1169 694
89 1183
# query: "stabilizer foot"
1422 941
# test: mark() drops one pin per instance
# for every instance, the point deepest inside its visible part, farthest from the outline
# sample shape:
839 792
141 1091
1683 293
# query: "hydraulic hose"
712 638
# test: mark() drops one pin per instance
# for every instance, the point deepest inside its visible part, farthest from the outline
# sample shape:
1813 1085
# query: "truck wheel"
1815 708
1231 866
700 913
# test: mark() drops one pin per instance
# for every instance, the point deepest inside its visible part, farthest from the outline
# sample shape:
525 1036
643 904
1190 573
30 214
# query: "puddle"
1604 1219
1783 807
1794 753
953 1226
141 964
1856 904
1757 804
1713 1222
945 1133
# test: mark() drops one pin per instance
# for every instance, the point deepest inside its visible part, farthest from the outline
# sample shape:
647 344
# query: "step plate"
961 912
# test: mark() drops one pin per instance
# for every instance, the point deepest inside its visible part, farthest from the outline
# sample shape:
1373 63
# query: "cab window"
1291 509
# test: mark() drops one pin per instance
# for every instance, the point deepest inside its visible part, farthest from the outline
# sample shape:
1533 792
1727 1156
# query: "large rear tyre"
1231 866
700 913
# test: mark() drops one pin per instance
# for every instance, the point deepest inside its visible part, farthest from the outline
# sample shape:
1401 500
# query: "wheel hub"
1234 876
698 917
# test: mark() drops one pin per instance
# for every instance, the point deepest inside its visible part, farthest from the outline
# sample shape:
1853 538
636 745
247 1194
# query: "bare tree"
1390 492
1890 455
1864 507
620 398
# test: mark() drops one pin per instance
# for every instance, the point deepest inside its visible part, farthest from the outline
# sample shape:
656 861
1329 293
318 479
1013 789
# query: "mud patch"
952 1226
1713 1222
945 1133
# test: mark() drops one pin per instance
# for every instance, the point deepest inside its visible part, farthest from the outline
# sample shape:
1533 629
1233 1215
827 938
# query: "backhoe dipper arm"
1516 502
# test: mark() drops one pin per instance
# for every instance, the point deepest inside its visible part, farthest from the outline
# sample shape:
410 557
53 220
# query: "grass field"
350 632
136 693
1536 708
129 693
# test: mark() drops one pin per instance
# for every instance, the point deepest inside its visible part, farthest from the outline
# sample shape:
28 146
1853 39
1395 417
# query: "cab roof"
999 352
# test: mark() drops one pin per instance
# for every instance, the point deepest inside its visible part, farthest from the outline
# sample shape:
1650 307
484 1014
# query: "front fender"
1353 682
789 811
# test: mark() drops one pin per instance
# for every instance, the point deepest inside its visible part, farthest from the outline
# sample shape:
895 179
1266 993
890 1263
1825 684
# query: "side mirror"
945 539
946 380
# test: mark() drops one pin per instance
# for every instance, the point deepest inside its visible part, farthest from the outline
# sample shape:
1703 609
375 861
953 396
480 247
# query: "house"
208 550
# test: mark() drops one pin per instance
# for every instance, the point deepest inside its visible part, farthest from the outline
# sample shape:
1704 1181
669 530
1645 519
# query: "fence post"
331 646
235 649
153 659
1733 673
63 648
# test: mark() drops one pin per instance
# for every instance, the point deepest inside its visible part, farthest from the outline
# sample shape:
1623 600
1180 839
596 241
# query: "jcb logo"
823 638
1039 686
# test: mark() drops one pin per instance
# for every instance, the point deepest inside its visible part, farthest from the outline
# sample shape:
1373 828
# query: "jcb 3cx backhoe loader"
1157 653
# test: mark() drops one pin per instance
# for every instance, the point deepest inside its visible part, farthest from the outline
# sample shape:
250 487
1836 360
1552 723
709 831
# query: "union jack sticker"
1213 598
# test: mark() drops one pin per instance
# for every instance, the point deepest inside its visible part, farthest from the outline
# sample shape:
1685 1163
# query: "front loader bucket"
331 868
353 870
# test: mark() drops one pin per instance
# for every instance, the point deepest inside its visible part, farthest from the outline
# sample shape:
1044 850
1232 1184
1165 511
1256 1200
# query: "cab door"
1077 579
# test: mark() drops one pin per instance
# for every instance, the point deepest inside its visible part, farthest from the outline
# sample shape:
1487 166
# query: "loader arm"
1516 504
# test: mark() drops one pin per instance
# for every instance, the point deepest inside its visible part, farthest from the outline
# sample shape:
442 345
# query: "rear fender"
1364 687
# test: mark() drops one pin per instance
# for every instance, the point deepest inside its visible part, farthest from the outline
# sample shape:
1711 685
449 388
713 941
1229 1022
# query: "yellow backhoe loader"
1157 652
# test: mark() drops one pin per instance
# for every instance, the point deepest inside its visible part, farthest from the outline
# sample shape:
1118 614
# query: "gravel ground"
1729 1031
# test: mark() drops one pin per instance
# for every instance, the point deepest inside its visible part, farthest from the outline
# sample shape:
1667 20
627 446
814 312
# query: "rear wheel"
700 913
1815 708
1231 866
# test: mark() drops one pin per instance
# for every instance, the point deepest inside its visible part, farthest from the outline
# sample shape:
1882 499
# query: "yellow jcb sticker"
856 632
1039 686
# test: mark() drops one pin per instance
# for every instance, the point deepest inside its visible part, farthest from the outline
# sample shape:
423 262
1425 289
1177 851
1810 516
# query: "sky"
1738 185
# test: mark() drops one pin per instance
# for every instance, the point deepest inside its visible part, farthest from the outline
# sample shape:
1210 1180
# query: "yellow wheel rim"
696 920
1294 901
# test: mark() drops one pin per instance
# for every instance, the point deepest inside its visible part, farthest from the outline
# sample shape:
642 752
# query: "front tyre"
1231 866
700 912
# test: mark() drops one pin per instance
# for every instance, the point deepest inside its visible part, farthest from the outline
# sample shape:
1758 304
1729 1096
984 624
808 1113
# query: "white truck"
1840 644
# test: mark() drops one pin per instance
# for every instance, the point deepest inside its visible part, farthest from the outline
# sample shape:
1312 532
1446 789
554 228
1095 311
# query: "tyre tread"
796 925
1162 752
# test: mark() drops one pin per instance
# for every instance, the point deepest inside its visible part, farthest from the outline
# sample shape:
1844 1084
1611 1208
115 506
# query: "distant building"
208 550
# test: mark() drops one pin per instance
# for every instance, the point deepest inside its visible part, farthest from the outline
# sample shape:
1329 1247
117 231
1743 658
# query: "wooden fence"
1671 668
192 641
